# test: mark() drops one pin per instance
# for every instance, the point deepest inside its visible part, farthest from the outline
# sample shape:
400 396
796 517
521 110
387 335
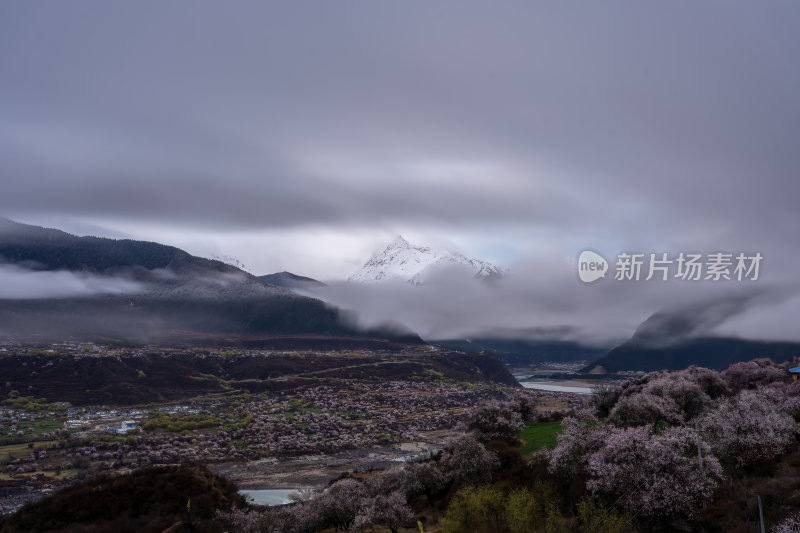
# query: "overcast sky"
303 135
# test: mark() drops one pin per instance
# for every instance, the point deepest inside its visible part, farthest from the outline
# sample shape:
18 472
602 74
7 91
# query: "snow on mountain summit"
403 261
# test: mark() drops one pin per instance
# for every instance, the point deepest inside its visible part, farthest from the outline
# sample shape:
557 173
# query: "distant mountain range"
166 290
403 261
92 288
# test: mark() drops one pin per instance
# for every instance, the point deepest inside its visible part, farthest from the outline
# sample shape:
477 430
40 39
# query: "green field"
540 435
40 427
46 425
22 450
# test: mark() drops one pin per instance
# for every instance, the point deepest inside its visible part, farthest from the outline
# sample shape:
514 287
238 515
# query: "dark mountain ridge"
38 248
291 281
710 352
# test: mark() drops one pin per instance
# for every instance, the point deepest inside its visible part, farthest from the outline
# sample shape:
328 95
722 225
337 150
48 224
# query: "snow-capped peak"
399 242
403 261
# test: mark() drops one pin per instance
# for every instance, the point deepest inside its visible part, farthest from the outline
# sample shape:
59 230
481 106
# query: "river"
553 386
268 496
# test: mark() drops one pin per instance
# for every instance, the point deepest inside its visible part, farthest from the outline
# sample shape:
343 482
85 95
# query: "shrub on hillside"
488 509
596 518
605 398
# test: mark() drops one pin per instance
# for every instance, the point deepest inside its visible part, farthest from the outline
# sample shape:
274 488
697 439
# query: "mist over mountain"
134 290
682 337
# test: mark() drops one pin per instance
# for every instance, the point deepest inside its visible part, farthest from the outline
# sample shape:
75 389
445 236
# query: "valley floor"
263 419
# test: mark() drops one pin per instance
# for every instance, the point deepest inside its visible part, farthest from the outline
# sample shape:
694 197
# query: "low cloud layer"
22 284
552 305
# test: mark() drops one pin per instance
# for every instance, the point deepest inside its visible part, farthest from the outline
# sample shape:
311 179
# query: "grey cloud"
702 317
206 114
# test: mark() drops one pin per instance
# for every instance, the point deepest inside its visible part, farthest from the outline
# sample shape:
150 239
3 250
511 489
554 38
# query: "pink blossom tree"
712 382
790 524
688 396
468 461
666 397
390 510
751 374
644 408
749 426
495 420
581 435
423 478
653 475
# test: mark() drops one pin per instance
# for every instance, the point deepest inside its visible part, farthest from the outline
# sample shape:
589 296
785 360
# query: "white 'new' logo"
591 266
